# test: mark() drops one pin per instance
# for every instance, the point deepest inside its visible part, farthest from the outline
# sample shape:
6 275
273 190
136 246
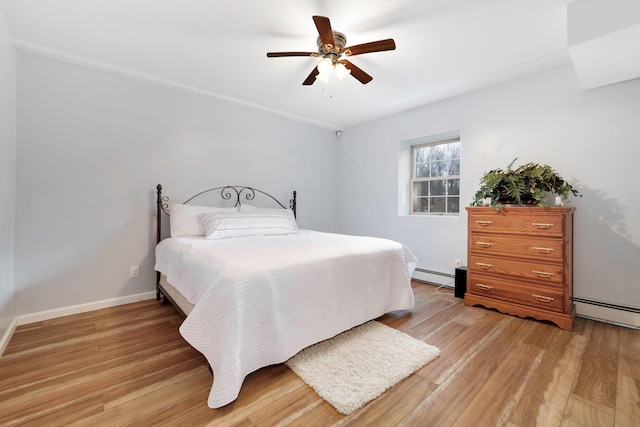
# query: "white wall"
7 173
589 137
93 145
91 148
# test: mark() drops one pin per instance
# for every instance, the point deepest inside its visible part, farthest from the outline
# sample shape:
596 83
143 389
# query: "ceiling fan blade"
312 77
378 46
324 29
280 54
357 72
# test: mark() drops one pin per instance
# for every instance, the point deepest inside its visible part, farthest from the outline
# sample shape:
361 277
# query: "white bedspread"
260 300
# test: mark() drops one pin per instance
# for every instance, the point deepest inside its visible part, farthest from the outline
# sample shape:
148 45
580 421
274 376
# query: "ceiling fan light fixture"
325 66
341 71
330 71
324 78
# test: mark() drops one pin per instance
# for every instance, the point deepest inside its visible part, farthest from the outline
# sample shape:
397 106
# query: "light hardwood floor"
128 365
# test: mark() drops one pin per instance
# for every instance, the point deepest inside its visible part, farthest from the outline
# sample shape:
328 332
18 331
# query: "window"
435 177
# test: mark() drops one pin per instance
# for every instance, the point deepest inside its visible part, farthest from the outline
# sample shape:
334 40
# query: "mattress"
259 300
175 297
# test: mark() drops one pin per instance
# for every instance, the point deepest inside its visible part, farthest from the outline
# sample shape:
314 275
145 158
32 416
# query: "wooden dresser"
520 262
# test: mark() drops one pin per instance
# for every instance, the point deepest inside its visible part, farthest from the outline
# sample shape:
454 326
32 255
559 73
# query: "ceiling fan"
331 47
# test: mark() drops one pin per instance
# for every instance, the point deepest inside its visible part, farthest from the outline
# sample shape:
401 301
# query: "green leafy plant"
527 184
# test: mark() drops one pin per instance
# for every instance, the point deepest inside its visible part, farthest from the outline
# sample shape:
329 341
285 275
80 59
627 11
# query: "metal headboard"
232 194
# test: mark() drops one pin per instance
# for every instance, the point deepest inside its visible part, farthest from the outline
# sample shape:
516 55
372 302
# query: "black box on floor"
460 282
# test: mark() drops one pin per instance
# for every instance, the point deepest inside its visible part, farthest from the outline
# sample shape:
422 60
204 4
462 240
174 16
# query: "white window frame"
414 180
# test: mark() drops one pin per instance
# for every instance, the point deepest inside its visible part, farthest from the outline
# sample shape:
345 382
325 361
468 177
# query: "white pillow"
184 219
246 207
221 225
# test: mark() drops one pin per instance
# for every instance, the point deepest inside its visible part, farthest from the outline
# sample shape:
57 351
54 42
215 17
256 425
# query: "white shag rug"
360 364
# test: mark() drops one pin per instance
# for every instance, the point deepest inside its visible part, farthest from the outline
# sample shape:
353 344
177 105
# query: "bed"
256 289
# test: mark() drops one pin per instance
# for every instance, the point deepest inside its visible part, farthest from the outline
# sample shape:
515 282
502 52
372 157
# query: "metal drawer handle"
542 274
542 298
483 265
542 225
484 287
542 250
484 223
484 244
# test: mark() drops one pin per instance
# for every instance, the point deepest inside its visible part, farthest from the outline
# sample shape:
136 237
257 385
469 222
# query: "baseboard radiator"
628 317
607 312
433 277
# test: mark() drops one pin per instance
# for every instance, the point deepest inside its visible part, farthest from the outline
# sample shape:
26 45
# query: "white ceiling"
444 47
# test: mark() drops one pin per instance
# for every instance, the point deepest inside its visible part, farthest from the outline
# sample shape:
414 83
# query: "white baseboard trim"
67 311
4 341
611 315
82 308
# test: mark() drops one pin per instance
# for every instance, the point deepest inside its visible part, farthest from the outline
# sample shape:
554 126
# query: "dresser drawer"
540 223
536 272
529 295
535 248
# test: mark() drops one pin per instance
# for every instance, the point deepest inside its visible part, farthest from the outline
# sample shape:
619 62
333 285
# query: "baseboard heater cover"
433 277
606 312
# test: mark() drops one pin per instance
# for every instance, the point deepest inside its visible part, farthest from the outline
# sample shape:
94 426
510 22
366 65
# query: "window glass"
435 179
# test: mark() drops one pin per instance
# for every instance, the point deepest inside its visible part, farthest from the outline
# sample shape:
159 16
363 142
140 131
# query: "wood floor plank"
187 412
582 412
135 411
78 340
321 414
628 385
438 320
599 365
129 366
629 354
427 305
550 387
63 415
459 344
87 382
406 395
140 384
26 341
260 389
500 393
627 412
286 409
455 393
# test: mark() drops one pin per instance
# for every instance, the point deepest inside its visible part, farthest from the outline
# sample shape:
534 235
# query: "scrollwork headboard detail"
230 194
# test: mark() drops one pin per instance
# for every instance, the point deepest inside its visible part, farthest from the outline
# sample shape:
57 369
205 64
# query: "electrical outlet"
134 271
458 262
